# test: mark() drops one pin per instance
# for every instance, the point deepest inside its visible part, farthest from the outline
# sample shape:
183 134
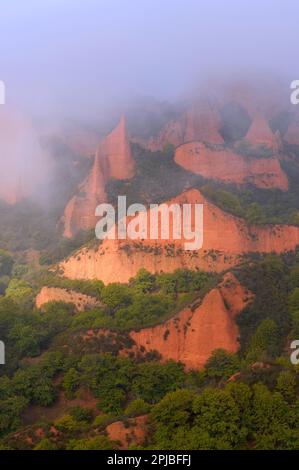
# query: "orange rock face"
134 433
228 166
115 153
226 238
194 334
113 160
201 122
173 134
260 134
55 294
80 210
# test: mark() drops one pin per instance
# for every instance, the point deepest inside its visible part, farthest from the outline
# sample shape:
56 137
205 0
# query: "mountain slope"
226 239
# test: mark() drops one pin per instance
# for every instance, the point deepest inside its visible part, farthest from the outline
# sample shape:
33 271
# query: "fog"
88 60
79 58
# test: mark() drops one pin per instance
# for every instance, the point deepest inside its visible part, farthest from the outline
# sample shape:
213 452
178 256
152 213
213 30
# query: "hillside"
140 343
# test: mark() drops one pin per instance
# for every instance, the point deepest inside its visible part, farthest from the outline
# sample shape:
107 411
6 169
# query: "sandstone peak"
192 335
115 150
202 123
79 213
113 159
260 133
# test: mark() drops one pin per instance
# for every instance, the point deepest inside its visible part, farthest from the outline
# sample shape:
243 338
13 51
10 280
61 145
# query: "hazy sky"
74 57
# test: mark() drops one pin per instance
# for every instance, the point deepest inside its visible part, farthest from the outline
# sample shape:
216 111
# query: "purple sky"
74 57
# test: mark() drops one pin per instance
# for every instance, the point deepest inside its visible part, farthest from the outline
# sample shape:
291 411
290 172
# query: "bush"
222 364
137 407
46 444
94 443
6 263
81 414
265 342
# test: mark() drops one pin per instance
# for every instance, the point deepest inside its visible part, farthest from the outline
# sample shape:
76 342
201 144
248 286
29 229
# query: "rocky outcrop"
192 335
79 213
55 294
115 154
226 165
173 133
200 122
113 160
260 134
226 239
133 432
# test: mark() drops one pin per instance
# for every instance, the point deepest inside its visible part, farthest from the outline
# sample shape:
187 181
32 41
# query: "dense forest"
239 401
58 391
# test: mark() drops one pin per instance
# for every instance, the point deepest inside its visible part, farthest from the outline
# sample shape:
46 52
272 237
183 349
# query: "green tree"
265 342
137 407
46 444
20 291
286 385
6 263
222 364
272 420
93 443
71 382
293 307
10 413
116 295
254 214
35 385
153 380
26 339
219 416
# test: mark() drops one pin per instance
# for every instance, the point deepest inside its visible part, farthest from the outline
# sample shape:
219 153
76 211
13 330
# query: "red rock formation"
113 160
55 294
201 122
225 239
80 210
260 134
173 134
192 335
126 435
228 166
116 151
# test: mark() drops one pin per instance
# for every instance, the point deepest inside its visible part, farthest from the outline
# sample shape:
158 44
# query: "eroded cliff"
56 294
226 165
200 122
226 239
113 160
192 335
